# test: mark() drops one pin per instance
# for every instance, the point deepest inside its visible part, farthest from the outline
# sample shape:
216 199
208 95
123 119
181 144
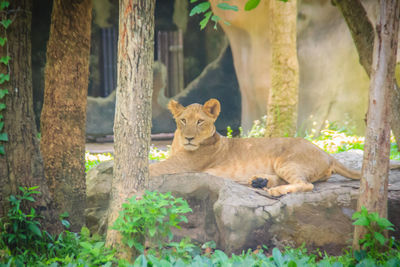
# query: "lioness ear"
212 108
175 108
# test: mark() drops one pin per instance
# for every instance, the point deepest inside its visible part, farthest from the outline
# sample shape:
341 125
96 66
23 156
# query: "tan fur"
289 164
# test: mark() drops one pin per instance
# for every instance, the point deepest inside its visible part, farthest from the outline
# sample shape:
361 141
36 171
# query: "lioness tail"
346 172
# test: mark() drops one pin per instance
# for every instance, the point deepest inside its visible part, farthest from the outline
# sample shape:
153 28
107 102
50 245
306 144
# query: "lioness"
288 164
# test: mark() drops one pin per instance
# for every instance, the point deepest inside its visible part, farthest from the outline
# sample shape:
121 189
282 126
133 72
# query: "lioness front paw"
258 182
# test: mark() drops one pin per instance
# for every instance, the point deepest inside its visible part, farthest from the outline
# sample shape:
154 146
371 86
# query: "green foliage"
229 132
159 154
153 216
92 160
24 243
374 244
257 129
251 4
4 77
150 219
204 8
226 6
293 257
21 230
200 8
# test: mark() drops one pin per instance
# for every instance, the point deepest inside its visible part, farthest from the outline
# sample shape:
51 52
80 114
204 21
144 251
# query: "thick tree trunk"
63 116
373 188
22 164
132 122
362 31
283 95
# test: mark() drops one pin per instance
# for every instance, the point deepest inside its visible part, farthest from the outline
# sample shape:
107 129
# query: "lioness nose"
189 138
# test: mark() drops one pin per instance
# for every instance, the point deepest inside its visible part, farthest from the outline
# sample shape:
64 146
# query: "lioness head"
195 123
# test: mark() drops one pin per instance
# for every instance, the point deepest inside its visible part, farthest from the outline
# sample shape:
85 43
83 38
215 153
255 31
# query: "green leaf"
3 137
226 6
152 231
86 245
251 4
35 229
3 92
277 255
1 125
65 214
2 152
381 239
2 106
292 264
5 60
3 41
6 23
204 21
363 221
65 223
193 1
215 18
4 77
4 4
384 223
200 8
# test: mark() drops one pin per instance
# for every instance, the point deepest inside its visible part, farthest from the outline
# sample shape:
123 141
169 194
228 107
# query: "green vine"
4 76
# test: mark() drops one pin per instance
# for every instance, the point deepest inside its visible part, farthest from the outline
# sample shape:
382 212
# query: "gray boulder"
237 217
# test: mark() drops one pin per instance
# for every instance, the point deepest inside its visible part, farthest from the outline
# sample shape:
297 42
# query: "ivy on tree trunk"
22 164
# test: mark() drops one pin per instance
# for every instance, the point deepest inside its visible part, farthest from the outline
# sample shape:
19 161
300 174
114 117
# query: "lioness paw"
258 182
275 192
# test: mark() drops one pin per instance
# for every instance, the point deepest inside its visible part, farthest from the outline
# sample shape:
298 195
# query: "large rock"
238 217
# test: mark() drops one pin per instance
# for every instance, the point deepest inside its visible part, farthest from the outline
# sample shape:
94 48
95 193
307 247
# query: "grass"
94 159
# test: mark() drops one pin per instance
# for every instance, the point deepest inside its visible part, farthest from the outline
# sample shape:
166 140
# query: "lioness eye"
200 122
183 121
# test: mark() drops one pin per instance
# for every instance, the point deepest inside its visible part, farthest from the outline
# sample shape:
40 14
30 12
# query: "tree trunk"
132 122
362 31
374 184
22 164
283 96
63 118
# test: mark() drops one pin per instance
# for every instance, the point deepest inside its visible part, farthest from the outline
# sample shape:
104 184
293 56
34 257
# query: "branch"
361 29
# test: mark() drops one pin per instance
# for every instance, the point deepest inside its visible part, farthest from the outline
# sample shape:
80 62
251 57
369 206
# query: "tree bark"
374 182
362 31
22 164
132 122
63 116
283 95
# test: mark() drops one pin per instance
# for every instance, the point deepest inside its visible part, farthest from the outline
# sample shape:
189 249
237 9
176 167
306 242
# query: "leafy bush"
24 243
20 231
150 219
374 244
